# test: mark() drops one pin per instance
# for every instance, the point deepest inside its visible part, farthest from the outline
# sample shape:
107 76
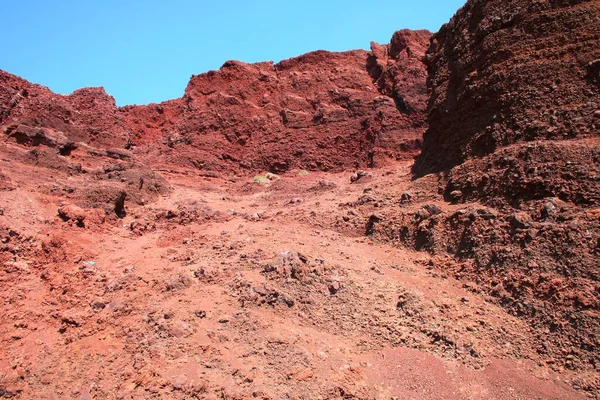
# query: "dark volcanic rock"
504 72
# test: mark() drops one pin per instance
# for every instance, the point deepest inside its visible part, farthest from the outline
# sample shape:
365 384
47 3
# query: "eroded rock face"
319 111
87 115
397 69
513 125
508 72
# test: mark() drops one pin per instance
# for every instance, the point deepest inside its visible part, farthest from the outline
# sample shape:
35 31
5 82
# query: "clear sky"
145 51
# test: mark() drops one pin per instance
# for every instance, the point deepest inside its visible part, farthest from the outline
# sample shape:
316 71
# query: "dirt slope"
238 290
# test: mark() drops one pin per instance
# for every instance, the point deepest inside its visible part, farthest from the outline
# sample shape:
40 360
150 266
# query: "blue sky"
146 51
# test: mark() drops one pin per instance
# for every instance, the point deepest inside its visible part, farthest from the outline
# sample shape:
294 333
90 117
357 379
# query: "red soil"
142 258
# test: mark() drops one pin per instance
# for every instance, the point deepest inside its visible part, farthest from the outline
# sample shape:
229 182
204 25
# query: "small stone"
304 375
334 287
532 234
405 197
432 209
421 215
129 269
520 220
359 175
574 225
370 226
485 214
550 209
179 382
456 196
286 299
597 114
98 305
70 212
255 217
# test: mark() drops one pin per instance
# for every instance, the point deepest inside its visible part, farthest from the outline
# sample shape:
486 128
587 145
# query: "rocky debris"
294 201
177 281
80 217
322 185
456 196
552 208
288 264
9 394
69 212
371 222
334 287
5 183
206 273
530 172
410 303
510 255
139 226
98 305
188 212
406 197
114 153
432 209
361 176
520 220
270 296
265 179
107 196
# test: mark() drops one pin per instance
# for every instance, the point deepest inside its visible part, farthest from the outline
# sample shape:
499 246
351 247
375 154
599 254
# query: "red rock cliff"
319 111
504 72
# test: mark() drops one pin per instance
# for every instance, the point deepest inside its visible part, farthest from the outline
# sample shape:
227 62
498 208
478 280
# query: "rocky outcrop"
87 115
397 70
514 140
319 111
510 72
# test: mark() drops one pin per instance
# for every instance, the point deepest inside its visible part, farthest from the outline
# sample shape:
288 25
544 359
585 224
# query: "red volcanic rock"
397 69
88 115
317 111
515 90
504 72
